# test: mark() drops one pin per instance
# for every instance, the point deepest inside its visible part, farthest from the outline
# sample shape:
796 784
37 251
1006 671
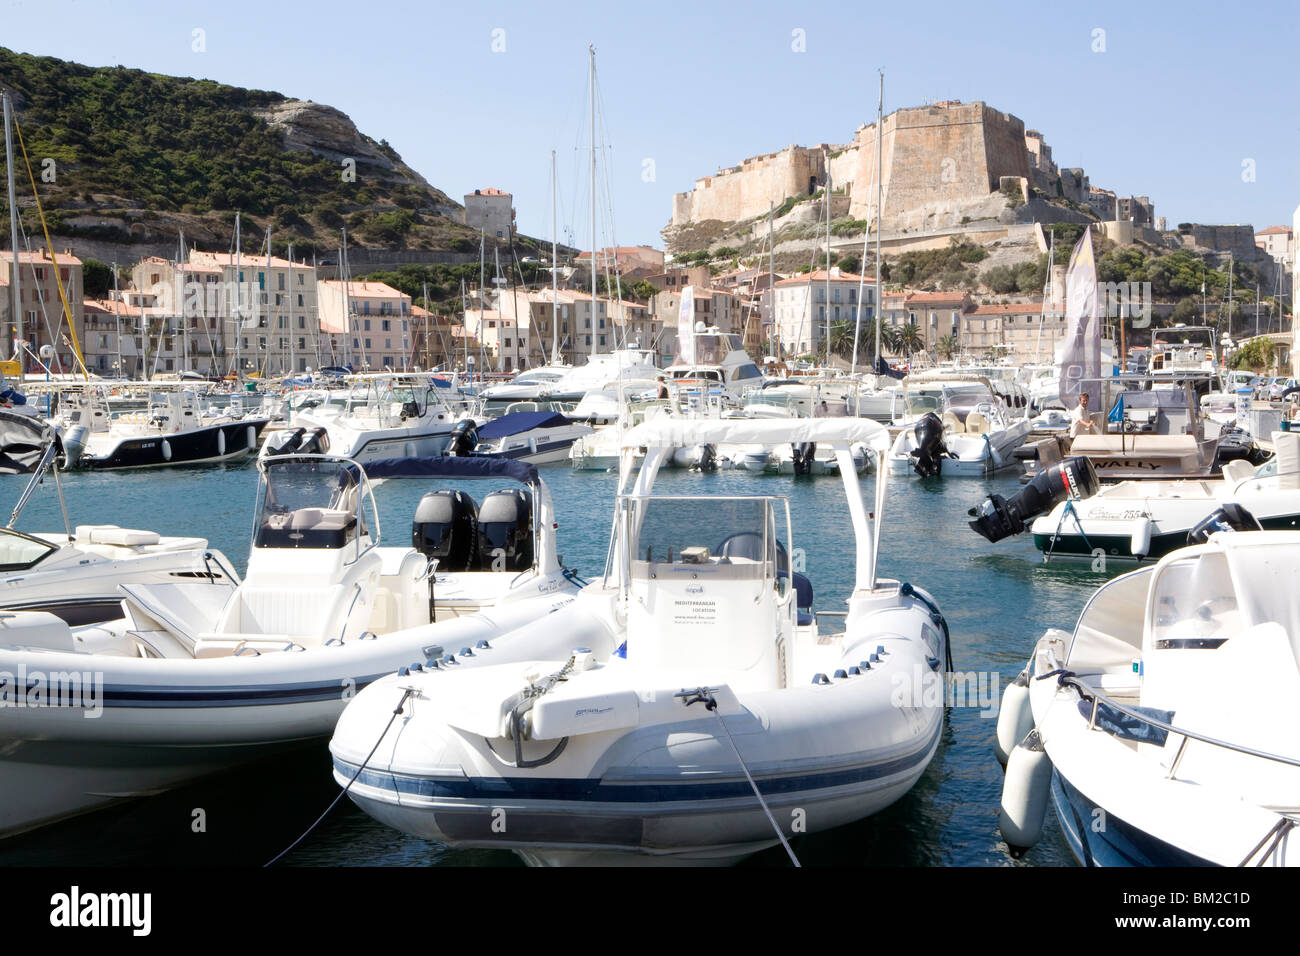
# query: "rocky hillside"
125 157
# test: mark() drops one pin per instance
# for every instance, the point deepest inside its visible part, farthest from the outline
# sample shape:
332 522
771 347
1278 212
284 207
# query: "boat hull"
228 441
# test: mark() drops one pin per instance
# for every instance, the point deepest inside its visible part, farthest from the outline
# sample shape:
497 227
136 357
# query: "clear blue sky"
1181 96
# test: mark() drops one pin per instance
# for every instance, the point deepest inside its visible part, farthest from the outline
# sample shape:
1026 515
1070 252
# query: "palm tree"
841 338
891 339
910 339
946 346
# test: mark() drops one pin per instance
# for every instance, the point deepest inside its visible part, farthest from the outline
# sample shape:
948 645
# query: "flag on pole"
686 327
1081 356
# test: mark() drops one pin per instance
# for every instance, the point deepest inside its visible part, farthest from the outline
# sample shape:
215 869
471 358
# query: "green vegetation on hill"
146 153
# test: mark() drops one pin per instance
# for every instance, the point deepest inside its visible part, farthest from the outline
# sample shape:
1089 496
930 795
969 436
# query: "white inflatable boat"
202 675
659 705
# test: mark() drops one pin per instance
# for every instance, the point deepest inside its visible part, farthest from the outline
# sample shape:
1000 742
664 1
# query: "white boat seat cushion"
296 612
112 534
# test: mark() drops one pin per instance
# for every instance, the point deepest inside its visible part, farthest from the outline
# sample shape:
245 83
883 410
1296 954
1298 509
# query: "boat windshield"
692 533
310 503
19 551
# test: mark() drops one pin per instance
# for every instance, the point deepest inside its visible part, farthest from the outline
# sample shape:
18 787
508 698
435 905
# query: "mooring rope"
397 710
710 703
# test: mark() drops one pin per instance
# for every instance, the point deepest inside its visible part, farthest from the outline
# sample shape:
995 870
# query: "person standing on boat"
663 388
1081 422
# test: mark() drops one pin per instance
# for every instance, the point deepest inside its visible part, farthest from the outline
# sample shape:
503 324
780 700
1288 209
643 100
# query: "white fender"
1015 719
252 437
166 450
221 441
1024 793
1140 546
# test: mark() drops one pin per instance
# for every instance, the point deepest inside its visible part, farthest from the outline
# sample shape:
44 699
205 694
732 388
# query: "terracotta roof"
365 290
40 256
488 192
935 298
221 259
1274 231
1013 308
820 276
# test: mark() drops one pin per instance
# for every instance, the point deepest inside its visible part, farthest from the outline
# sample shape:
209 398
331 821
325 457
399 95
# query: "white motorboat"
621 365
529 385
1162 729
1142 520
535 437
201 676
75 575
1149 432
394 415
721 368
969 431
686 708
172 430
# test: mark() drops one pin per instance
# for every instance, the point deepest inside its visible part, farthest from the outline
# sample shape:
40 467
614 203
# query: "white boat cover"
679 432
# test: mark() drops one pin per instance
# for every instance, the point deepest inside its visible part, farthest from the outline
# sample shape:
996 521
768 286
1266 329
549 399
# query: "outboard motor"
1001 517
927 460
505 531
1227 517
74 443
708 459
314 442
445 528
464 439
285 442
802 457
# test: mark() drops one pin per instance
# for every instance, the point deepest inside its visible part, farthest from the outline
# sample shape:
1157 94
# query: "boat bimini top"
659 437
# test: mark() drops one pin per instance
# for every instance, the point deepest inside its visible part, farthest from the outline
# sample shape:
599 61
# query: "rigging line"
58 280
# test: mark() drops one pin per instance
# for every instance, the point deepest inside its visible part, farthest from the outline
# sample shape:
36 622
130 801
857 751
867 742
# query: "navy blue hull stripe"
595 790
1117 843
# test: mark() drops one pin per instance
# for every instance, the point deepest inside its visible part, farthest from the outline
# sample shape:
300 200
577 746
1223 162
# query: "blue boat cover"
1129 728
518 422
433 467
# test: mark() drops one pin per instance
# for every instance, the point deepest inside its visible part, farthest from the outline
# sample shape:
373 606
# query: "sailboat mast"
771 277
880 187
185 328
117 317
266 291
293 363
555 278
592 83
239 319
828 264
17 314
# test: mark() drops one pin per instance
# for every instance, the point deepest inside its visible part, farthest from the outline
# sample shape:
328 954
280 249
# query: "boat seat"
112 534
977 424
1235 471
308 615
803 598
951 423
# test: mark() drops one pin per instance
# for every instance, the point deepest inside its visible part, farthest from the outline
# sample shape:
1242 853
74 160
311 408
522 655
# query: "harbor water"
998 599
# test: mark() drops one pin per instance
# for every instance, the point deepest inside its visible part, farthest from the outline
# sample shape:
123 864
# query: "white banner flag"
1081 356
686 327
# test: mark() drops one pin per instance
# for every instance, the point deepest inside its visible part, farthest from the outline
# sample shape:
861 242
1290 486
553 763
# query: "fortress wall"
735 196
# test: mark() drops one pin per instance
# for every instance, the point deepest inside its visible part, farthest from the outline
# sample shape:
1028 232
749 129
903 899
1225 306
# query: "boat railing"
1090 693
1249 478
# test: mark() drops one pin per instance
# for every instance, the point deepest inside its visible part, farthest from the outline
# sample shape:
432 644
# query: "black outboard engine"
445 527
802 457
1227 517
464 439
314 442
708 458
285 443
1000 517
927 460
505 531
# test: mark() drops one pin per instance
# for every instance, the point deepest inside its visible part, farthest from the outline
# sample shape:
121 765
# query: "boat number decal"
590 711
1104 515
